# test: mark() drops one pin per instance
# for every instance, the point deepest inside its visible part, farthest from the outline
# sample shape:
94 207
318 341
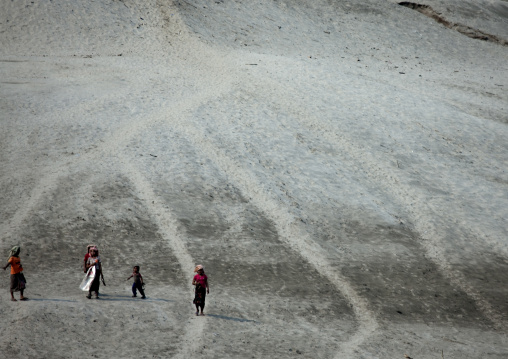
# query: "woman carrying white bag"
92 279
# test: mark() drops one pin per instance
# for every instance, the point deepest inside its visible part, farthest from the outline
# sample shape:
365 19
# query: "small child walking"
138 283
18 280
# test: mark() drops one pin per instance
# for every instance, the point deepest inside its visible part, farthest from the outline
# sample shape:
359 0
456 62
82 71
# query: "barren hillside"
339 168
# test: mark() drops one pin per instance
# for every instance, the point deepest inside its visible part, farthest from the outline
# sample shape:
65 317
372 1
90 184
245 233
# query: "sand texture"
338 167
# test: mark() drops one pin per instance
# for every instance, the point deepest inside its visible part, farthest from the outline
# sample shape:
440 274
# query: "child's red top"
201 279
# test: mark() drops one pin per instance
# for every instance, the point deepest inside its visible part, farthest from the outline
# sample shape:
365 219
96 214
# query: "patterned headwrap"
95 249
14 251
198 267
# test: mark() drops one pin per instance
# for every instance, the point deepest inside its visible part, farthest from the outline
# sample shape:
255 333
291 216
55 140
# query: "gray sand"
339 168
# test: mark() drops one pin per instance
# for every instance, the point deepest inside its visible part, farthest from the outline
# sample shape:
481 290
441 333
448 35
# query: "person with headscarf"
18 281
200 281
94 261
87 255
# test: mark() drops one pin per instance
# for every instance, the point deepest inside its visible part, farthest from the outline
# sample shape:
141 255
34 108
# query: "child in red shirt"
18 281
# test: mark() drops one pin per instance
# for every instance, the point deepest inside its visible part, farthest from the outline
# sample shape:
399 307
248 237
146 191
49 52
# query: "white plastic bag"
87 281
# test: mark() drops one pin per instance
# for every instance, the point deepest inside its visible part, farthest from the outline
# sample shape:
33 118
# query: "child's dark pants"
139 287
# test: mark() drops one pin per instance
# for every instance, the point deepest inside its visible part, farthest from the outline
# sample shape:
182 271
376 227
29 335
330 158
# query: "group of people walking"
92 266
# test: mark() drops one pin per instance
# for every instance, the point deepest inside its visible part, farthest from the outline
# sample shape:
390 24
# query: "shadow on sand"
128 298
231 318
50 300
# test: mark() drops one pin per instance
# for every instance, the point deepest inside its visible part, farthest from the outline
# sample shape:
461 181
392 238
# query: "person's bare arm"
129 277
8 264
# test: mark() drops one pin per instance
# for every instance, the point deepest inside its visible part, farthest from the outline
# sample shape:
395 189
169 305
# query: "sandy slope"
338 167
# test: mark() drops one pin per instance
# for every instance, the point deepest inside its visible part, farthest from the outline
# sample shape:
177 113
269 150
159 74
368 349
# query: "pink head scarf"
94 248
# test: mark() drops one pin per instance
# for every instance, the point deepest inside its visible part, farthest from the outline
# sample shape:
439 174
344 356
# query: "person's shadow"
127 298
50 300
242 320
